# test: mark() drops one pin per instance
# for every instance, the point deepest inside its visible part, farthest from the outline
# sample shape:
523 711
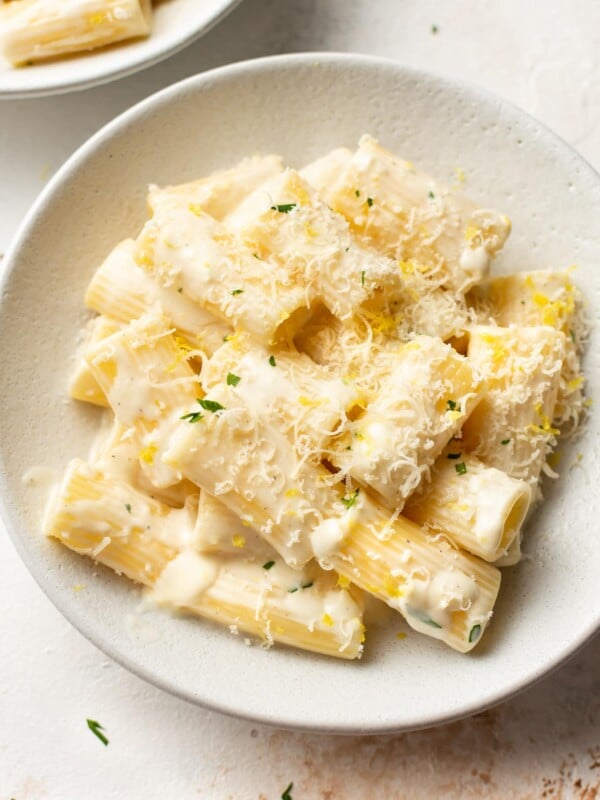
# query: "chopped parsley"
452 405
357 193
128 507
211 405
461 468
233 380
237 291
362 278
97 729
434 29
193 416
454 455
268 565
505 441
272 360
284 208
369 201
302 586
350 499
286 794
474 633
422 617
257 257
431 195
180 290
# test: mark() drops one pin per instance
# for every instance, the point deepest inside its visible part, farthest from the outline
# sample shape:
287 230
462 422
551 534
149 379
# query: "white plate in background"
177 23
301 106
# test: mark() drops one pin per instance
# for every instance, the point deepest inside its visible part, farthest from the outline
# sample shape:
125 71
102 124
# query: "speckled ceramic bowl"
176 24
300 106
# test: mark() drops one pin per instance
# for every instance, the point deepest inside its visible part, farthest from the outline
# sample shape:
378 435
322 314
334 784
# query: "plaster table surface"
544 57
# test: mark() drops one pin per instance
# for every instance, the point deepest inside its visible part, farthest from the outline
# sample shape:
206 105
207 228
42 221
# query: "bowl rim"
135 65
44 199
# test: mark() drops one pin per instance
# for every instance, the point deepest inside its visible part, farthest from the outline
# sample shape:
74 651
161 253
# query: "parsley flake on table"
97 729
284 208
286 793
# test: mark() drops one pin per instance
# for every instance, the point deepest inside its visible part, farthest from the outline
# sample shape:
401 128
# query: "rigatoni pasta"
318 394
36 30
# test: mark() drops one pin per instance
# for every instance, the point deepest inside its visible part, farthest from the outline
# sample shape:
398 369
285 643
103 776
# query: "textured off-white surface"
176 24
50 679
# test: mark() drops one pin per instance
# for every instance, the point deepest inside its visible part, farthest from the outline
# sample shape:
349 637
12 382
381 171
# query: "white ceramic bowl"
300 106
176 24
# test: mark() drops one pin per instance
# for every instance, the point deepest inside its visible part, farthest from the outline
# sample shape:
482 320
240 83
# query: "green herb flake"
461 468
211 405
257 257
422 616
97 729
272 361
306 585
522 302
233 380
431 195
572 335
435 29
193 416
346 249
451 405
362 278
505 441
284 208
369 201
226 338
180 290
474 633
350 499
454 456
128 507
286 795
357 193
268 565
237 291
291 591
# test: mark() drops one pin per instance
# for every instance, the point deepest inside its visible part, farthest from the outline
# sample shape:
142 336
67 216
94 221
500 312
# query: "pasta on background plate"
319 396
38 30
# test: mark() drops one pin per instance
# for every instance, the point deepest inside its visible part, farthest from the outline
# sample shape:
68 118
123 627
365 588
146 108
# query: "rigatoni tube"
480 508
